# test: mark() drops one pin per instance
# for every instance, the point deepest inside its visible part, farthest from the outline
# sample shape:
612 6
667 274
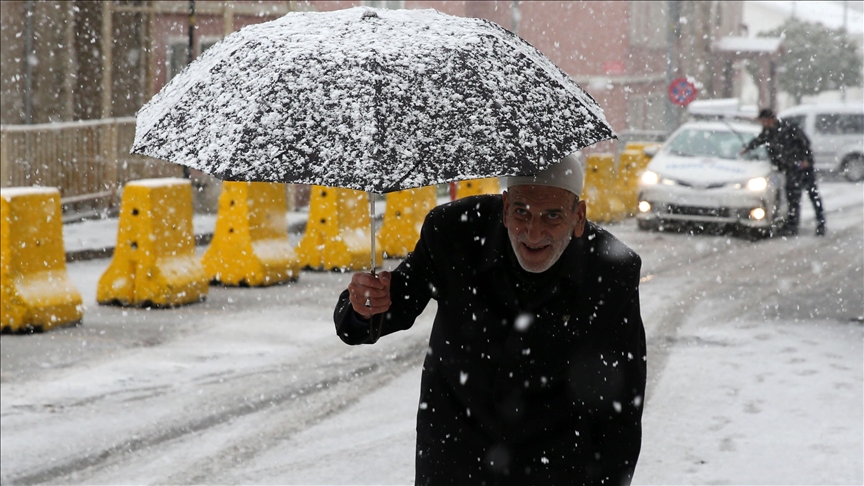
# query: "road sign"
682 92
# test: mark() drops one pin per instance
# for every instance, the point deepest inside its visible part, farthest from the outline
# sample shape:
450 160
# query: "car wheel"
853 168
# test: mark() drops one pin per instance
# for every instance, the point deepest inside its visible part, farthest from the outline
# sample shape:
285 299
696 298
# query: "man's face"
540 221
768 122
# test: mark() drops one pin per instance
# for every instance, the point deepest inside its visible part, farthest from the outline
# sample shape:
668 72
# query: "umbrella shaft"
372 227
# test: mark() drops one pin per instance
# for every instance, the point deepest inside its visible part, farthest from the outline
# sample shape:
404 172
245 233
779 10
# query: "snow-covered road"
755 375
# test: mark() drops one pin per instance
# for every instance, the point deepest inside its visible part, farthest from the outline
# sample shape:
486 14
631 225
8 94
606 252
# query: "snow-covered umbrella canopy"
369 99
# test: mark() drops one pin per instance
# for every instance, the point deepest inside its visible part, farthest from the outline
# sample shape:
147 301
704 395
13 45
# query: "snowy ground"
756 365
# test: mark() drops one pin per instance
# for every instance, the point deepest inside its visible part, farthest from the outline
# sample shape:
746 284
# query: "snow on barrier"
403 219
601 189
476 187
631 164
338 232
155 263
250 243
35 291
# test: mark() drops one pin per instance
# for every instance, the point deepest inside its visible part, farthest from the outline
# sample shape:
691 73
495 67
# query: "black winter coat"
787 145
527 380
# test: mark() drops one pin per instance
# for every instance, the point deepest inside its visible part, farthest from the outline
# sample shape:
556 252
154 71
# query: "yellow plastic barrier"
476 187
155 263
35 291
338 233
601 189
631 164
250 243
629 169
403 219
640 147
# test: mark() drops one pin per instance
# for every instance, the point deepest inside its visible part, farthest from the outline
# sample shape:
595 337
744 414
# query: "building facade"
77 60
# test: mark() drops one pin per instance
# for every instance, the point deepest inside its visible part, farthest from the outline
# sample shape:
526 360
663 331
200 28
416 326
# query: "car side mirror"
651 150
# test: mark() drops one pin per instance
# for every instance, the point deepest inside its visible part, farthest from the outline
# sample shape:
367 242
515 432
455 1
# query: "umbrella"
369 99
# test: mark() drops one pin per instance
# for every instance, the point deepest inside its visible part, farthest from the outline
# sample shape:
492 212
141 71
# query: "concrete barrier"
250 244
35 291
475 187
403 219
601 190
338 232
154 263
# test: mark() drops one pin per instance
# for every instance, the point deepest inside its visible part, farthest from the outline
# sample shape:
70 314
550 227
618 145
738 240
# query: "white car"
699 177
836 132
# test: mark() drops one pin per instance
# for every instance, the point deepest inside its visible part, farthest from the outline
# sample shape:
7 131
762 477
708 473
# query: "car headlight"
650 178
757 184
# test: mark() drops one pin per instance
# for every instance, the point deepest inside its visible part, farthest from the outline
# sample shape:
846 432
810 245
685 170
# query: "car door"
827 138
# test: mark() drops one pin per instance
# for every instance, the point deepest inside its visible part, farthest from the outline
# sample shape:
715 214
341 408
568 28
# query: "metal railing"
88 161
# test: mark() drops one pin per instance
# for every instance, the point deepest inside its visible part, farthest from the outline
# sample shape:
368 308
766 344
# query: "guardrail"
89 161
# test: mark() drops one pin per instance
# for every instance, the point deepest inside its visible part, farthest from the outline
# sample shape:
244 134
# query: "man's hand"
374 289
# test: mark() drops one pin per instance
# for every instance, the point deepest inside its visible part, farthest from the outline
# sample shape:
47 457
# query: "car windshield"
724 144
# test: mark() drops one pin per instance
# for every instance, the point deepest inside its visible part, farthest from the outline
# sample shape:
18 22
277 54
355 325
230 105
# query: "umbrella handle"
372 227
372 232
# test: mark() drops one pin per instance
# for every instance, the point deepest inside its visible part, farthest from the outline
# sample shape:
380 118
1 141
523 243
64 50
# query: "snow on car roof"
839 107
719 126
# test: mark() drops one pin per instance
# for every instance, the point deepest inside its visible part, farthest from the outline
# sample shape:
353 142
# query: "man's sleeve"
759 140
621 429
412 284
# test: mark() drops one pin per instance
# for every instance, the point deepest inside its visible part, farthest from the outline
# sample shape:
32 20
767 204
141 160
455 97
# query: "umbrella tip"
370 14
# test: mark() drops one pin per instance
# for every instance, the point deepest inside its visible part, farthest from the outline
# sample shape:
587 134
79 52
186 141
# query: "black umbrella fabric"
369 99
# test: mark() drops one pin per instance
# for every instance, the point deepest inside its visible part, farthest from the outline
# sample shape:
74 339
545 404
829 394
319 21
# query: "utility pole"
107 57
28 62
673 32
846 28
190 48
190 56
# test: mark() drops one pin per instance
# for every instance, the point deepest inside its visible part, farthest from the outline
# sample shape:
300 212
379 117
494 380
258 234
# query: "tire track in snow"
691 268
372 371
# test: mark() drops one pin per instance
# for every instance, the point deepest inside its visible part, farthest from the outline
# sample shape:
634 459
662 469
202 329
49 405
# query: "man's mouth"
534 248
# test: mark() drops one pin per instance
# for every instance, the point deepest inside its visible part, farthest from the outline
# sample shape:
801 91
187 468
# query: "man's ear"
581 218
506 207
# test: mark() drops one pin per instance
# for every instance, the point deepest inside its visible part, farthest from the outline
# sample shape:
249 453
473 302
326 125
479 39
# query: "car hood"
705 171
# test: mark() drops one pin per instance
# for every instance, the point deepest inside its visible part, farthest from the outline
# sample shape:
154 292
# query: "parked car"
698 176
836 132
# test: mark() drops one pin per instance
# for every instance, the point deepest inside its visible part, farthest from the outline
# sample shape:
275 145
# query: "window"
797 120
711 143
648 24
840 124
207 43
176 59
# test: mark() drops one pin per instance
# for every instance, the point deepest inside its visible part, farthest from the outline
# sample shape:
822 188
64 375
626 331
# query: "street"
755 361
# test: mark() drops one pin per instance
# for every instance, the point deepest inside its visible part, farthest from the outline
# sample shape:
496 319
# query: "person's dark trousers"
793 197
808 183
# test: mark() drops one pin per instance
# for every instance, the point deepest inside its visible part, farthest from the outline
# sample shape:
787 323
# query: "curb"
200 240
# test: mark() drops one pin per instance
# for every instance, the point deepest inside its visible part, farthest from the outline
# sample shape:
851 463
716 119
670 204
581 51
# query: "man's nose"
535 230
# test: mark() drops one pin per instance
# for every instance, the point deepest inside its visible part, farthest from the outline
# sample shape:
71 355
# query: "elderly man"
535 372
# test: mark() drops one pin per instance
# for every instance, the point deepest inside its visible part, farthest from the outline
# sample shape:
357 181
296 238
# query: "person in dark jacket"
789 150
536 366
